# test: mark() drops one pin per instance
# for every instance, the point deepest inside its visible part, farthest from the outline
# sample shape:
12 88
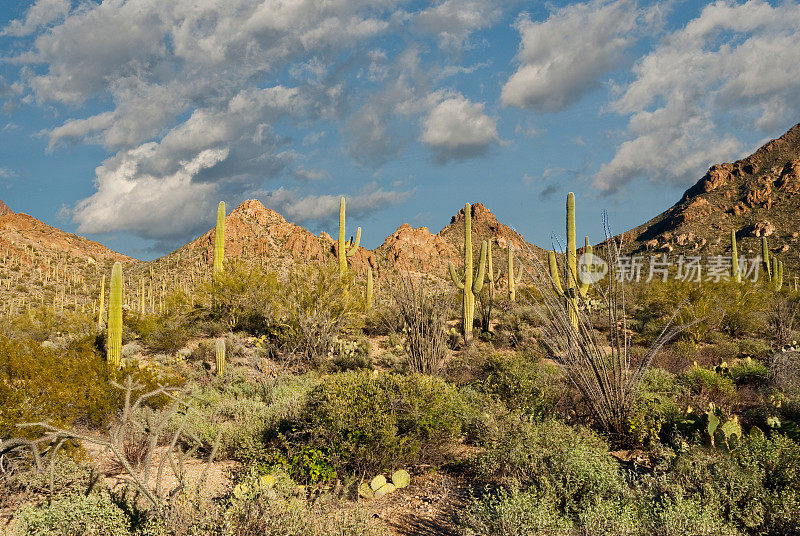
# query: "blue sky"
128 121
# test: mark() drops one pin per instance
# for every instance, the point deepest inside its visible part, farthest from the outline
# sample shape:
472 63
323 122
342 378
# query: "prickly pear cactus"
385 490
401 478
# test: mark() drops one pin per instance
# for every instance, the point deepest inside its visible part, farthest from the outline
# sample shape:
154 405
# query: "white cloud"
726 67
453 21
563 57
41 13
323 208
456 129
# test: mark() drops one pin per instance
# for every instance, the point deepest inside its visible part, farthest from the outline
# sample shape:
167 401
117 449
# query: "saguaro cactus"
219 350
735 273
765 258
512 279
574 289
219 240
368 297
102 302
469 285
114 344
342 251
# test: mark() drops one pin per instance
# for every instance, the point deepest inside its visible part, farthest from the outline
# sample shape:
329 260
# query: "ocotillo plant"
512 279
368 297
219 350
469 285
735 273
765 258
114 344
219 239
342 251
102 302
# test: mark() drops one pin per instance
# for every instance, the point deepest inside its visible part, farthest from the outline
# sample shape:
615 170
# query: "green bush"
523 382
373 422
63 386
514 513
570 464
74 515
706 385
749 372
655 407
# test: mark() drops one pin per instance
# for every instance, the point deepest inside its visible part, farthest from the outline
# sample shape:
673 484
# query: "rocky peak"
4 210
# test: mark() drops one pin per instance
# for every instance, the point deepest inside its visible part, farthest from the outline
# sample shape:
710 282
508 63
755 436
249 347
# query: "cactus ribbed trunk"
572 262
114 344
765 258
735 273
219 240
342 250
219 350
471 284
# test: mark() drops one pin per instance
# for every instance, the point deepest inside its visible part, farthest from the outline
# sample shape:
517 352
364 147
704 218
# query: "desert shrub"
753 348
423 321
371 422
781 315
242 297
259 507
62 386
688 517
570 464
318 305
75 515
514 513
706 385
244 414
656 407
749 372
785 372
168 333
351 355
523 381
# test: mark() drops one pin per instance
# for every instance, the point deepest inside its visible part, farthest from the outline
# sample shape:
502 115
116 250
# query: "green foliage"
655 407
375 421
749 372
242 297
318 304
63 386
514 513
570 464
706 385
75 515
522 381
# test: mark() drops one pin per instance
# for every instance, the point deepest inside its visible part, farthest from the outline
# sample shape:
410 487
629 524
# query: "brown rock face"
4 209
757 196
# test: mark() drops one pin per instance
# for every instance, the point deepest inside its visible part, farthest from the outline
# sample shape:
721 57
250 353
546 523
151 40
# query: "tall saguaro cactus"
219 351
735 273
573 289
342 251
470 285
219 239
102 302
114 344
765 258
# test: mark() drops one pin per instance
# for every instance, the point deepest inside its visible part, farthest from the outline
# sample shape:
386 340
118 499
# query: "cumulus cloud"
453 21
305 209
562 58
41 13
457 129
726 67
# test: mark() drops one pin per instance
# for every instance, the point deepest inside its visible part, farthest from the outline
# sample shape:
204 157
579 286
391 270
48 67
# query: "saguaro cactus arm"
477 283
219 239
454 277
353 250
553 265
737 275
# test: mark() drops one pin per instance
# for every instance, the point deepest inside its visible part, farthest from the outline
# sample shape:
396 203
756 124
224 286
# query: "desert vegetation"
229 397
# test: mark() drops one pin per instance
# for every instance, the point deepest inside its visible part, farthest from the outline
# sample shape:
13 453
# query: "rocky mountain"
755 196
258 234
